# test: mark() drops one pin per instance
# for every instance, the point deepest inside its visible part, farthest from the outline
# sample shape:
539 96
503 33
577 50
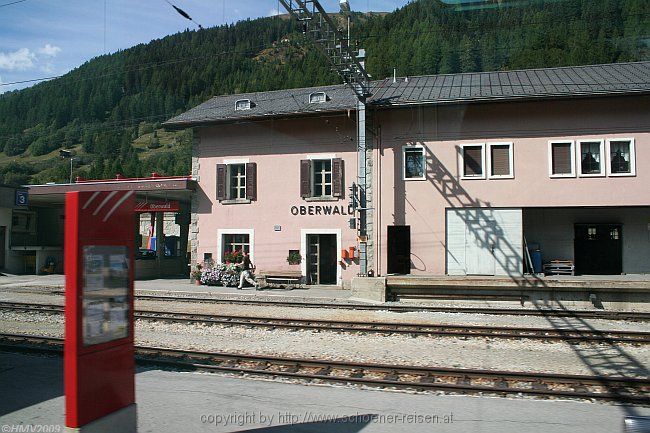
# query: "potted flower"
294 257
196 274
233 257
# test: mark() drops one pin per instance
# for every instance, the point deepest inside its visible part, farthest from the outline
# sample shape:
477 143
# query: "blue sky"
43 38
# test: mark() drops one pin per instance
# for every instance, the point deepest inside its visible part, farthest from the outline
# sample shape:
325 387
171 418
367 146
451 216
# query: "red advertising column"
99 271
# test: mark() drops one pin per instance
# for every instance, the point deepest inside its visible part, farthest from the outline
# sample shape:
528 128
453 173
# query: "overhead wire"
144 66
184 14
12 3
493 29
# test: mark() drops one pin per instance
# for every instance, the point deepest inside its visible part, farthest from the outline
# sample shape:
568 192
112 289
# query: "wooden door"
598 249
399 250
313 262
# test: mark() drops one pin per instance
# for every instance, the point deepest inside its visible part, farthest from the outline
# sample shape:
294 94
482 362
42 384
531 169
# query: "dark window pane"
414 160
590 157
473 161
620 156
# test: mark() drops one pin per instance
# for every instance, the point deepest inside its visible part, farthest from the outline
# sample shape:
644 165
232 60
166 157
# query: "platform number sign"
22 198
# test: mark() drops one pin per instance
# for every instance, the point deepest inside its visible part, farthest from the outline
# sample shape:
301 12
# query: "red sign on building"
157 206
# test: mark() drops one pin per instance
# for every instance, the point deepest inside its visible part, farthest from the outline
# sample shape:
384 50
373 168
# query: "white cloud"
273 12
48 67
49 50
18 60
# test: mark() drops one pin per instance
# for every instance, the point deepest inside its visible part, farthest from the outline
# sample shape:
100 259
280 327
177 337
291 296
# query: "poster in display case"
105 293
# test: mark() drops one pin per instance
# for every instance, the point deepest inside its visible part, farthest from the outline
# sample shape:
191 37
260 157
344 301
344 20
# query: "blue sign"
22 198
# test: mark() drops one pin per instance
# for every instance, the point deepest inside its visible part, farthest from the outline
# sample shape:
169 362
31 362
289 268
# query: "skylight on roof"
318 98
243 104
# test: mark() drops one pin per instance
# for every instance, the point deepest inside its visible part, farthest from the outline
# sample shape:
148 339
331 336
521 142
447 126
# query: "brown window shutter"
500 160
561 158
472 160
251 181
305 178
338 184
222 172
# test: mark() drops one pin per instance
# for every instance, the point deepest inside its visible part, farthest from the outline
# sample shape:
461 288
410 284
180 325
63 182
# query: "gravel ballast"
355 315
481 353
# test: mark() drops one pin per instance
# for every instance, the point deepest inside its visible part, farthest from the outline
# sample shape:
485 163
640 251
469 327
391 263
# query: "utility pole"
65 154
347 60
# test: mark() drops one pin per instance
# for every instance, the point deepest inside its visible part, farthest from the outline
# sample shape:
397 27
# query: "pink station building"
468 171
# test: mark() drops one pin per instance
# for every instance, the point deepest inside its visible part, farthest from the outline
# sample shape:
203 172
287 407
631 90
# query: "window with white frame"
473 161
413 163
591 154
233 245
561 159
501 161
236 181
621 158
322 178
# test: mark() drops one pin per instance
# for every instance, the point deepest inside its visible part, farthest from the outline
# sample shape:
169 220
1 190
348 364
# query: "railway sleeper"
325 371
393 375
292 368
538 385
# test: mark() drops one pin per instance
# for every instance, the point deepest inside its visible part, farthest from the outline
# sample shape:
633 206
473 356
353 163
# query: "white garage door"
484 242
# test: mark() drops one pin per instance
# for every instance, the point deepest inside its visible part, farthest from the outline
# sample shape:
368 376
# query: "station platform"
624 292
174 287
171 401
614 291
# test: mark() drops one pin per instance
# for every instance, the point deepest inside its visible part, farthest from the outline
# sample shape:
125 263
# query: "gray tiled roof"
531 83
268 104
616 78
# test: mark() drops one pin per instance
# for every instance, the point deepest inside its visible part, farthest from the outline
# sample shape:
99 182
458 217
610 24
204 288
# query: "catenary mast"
347 60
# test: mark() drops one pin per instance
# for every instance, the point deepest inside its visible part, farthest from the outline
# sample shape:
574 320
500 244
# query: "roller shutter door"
484 242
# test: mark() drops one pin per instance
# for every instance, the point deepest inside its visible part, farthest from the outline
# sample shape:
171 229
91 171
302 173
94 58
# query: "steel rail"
583 314
614 388
546 312
464 331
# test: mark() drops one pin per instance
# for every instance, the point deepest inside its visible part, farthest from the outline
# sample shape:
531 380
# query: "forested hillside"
108 111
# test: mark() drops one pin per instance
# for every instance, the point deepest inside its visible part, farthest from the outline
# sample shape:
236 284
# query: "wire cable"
12 3
184 14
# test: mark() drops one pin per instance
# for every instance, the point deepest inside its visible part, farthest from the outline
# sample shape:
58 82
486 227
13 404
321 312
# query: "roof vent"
318 98
243 104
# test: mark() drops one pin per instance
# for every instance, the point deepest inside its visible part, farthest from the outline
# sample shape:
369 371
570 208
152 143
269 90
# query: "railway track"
401 308
464 331
582 314
452 380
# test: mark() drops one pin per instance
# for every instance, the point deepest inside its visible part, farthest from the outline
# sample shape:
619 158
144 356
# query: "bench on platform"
280 279
559 267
